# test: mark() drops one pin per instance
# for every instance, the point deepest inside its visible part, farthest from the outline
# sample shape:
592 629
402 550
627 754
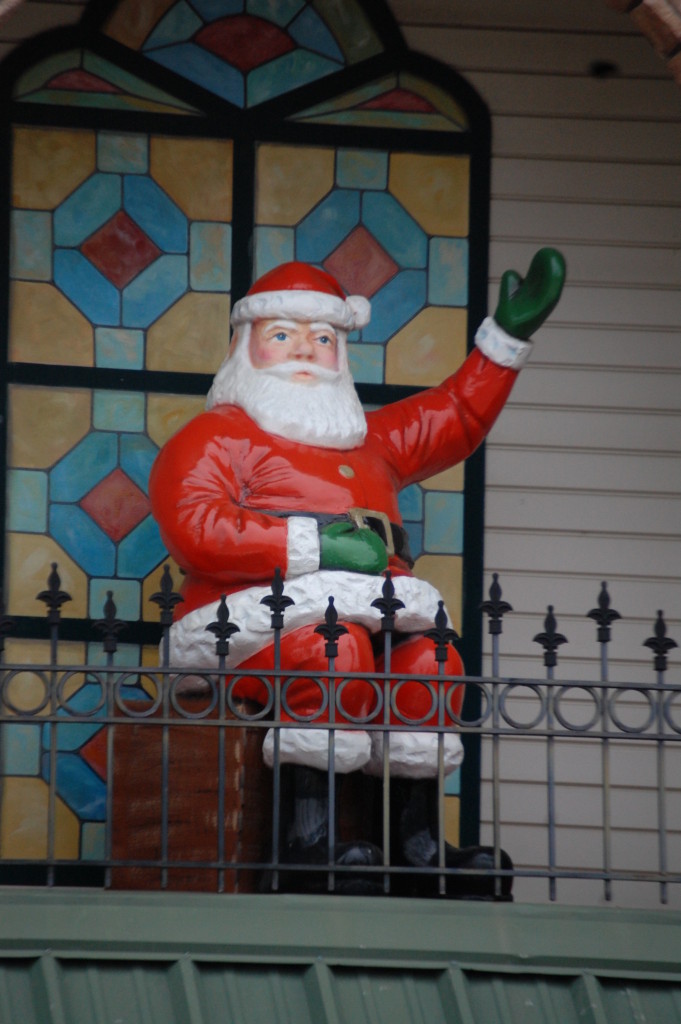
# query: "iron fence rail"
151 702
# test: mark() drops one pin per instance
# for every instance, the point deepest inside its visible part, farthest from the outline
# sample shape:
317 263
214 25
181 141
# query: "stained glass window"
162 155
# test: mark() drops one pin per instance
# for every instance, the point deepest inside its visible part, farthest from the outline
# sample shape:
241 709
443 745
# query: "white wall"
584 466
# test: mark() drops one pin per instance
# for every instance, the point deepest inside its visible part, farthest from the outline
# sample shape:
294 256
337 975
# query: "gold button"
346 471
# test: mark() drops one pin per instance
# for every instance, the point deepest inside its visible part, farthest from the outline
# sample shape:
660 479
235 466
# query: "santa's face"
273 342
292 378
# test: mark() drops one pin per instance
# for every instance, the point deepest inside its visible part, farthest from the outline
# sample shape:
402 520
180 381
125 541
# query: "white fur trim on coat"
310 747
500 347
191 646
349 314
302 545
414 755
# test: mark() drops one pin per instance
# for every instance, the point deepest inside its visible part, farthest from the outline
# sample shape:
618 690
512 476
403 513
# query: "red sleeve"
195 488
438 428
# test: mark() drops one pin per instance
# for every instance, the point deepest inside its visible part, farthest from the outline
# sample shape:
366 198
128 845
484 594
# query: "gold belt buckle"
358 517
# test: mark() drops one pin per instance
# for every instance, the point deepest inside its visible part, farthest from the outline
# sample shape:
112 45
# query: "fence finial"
660 644
604 615
550 639
495 608
277 601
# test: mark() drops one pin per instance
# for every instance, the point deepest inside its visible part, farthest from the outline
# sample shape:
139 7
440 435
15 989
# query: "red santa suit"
235 502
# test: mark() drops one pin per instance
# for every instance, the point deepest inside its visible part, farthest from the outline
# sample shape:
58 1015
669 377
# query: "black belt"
394 536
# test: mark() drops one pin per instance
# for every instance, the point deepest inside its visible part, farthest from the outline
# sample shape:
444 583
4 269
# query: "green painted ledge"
75 957
350 930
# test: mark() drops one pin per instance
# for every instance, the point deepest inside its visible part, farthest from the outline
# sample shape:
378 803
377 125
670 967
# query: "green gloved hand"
524 304
344 546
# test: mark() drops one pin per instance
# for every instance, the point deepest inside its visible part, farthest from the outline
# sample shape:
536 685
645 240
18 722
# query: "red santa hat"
298 291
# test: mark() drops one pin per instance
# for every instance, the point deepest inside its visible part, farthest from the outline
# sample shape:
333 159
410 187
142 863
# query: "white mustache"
287 370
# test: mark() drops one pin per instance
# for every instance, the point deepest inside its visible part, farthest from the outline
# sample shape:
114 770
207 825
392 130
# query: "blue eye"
324 339
280 336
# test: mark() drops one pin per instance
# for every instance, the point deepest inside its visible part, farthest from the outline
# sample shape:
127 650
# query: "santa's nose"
303 348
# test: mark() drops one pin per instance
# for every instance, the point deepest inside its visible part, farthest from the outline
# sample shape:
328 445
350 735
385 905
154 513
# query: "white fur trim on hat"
349 314
500 347
415 755
310 747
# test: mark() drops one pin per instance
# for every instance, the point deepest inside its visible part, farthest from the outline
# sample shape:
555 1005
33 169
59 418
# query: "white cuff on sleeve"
500 347
302 545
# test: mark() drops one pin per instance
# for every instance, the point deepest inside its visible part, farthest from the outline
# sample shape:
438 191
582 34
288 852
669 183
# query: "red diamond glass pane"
116 504
120 249
360 264
244 41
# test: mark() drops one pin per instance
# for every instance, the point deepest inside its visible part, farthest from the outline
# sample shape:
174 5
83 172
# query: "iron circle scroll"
571 726
373 715
508 717
633 730
486 704
432 710
313 716
91 679
668 711
231 698
4 691
129 708
175 697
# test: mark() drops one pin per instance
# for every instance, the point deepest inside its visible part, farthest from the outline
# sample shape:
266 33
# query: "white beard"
325 412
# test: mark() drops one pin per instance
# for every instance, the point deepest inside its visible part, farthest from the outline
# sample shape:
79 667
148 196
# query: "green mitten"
343 546
524 304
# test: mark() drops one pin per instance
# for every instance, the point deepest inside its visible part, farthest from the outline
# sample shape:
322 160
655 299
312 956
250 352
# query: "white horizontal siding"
584 465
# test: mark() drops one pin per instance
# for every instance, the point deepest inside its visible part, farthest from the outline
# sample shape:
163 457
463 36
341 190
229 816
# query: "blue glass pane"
309 31
204 69
154 291
89 290
90 461
155 213
82 539
178 25
90 206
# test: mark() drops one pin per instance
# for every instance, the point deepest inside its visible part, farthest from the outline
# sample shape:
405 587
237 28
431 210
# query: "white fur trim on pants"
192 646
310 747
414 755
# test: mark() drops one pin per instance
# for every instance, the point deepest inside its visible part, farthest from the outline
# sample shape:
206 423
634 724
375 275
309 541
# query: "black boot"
305 831
414 843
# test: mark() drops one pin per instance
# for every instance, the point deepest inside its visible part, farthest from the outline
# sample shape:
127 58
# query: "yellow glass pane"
27 692
290 181
48 164
167 413
434 189
197 174
193 336
44 424
131 21
24 823
449 480
44 327
29 563
431 347
445 573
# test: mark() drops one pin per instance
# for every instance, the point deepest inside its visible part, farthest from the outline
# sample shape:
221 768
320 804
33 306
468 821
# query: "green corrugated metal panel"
122 958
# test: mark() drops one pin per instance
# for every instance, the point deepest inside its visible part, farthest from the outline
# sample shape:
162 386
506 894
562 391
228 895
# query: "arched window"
157 158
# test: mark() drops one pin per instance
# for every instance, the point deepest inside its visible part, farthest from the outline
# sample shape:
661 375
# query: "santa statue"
285 471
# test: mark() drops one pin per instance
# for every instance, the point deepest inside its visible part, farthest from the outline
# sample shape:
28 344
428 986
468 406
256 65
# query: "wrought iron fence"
184 801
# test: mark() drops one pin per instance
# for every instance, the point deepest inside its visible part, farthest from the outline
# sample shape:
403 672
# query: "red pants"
303 651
